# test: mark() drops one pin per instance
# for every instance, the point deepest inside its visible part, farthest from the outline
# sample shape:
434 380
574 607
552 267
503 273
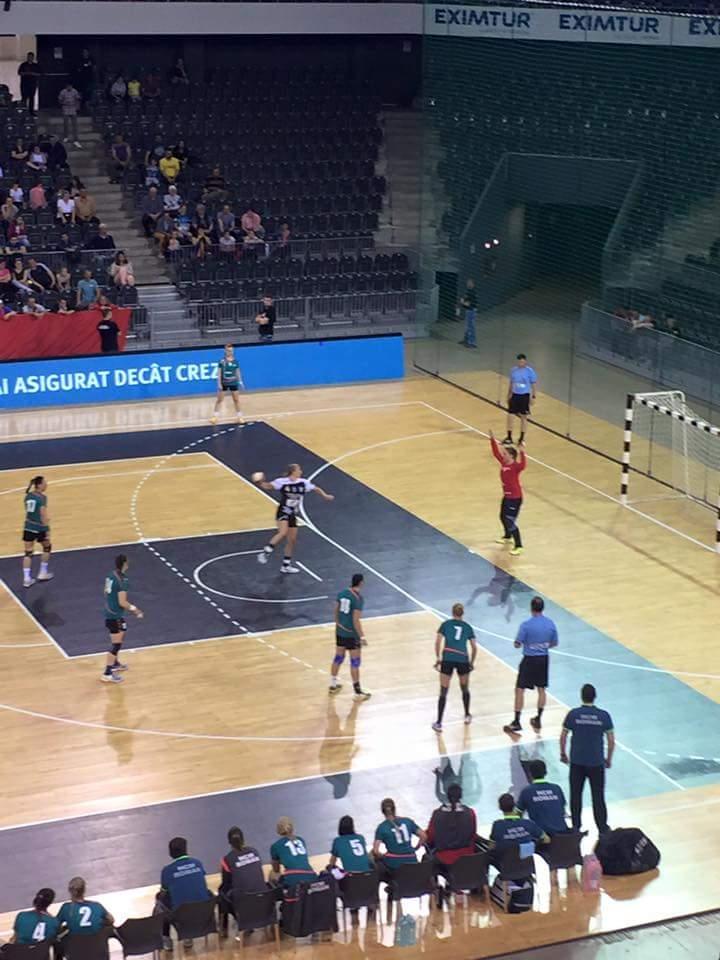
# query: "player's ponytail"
387 807
454 795
120 561
43 899
458 611
34 483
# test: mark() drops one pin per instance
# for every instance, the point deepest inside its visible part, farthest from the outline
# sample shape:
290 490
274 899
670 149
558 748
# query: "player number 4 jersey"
292 492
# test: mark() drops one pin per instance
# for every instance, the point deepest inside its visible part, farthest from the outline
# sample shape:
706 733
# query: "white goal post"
671 444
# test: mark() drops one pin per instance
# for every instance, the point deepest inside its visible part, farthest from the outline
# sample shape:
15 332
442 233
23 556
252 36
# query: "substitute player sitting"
292 488
229 381
116 603
451 653
36 529
349 636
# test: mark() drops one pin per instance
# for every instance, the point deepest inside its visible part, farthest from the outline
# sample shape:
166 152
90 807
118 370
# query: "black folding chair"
255 910
513 867
411 881
87 946
193 921
467 873
141 935
563 851
358 890
23 951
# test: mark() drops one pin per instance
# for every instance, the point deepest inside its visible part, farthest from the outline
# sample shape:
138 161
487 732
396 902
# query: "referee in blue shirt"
536 636
521 393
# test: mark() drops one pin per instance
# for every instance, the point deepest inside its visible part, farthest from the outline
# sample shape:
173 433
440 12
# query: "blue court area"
667 730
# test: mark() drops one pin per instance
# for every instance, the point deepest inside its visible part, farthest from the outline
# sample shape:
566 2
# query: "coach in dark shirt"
108 330
589 726
542 801
266 319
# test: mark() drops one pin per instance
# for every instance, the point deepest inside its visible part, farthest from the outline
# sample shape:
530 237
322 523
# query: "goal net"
667 441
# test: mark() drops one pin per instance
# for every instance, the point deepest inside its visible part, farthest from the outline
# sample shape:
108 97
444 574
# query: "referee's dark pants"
596 775
509 510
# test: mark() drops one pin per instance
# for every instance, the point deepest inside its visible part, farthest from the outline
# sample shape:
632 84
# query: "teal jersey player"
457 635
349 636
348 601
452 641
117 602
350 849
36 530
115 584
229 381
290 852
86 916
396 836
34 503
34 926
229 372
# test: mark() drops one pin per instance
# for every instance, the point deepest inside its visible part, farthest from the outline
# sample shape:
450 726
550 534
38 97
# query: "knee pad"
115 648
338 658
355 662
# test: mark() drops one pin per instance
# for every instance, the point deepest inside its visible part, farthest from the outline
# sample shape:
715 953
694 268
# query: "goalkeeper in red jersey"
512 462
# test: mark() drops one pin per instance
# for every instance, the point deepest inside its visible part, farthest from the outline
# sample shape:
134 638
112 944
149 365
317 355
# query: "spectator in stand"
87 291
157 151
120 157
251 223
70 100
17 194
283 241
215 187
76 185
37 160
169 166
164 226
63 306
41 276
183 222
152 85
109 331
201 219
71 250
85 76
19 156
65 208
178 74
21 279
172 201
121 271
34 926
152 173
6 312
17 235
85 211
180 151
36 197
6 277
102 240
170 245
134 89
29 74
8 213
118 88
225 220
34 307
265 319
227 244
57 155
63 281
202 244
252 243
152 209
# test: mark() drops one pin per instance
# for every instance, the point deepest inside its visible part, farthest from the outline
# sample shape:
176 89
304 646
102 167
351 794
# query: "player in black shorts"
292 488
36 529
536 636
451 654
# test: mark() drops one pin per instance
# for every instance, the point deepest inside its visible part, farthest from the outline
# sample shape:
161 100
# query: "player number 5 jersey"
292 492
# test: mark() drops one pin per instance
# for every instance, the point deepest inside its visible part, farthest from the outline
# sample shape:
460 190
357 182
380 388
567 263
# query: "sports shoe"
76 143
45 576
508 441
111 678
513 727
504 540
334 687
363 695
289 568
437 727
167 944
122 667
240 419
468 718
263 556
516 551
535 723
213 420
188 944
28 583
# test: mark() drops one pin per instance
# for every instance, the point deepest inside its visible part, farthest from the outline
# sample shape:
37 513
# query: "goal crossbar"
689 421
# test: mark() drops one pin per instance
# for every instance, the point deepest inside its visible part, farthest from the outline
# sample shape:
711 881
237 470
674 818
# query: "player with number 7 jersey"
451 654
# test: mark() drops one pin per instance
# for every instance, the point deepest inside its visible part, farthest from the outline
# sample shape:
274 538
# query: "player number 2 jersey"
292 492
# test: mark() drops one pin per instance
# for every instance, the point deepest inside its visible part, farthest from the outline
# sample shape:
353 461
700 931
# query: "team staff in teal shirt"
451 654
229 381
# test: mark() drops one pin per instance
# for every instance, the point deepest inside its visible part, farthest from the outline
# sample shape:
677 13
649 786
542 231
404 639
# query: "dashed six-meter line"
198 590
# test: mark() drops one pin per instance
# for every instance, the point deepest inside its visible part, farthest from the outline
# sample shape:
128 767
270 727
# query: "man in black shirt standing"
266 319
468 303
108 330
28 71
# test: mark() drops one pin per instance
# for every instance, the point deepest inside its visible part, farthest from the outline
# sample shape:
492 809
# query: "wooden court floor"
642 578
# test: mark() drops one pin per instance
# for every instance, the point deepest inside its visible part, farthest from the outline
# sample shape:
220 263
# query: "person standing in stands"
29 73
542 801
266 319
590 727
181 881
521 394
70 101
468 304
536 636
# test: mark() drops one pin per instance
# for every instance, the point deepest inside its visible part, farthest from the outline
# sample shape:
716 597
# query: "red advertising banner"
26 335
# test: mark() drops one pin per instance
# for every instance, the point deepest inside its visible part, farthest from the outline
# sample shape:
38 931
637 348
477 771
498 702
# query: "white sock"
43 567
27 574
334 682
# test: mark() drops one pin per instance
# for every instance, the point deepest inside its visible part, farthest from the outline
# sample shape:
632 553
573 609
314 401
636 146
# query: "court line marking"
582 483
434 755
199 421
32 616
309 571
427 607
103 476
232 596
21 646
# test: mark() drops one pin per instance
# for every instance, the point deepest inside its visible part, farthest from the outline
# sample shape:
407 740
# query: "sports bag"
627 850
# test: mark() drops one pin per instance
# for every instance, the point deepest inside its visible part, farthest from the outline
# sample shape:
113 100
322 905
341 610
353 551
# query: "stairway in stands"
170 322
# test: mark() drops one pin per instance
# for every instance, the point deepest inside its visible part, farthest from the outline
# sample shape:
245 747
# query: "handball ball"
258 476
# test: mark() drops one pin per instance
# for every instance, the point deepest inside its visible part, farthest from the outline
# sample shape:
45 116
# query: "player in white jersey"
292 489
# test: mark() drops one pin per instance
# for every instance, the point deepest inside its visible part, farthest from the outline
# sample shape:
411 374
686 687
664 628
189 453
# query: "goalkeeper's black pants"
509 510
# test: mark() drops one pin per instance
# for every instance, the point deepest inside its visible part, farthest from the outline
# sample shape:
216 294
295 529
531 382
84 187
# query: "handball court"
224 716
